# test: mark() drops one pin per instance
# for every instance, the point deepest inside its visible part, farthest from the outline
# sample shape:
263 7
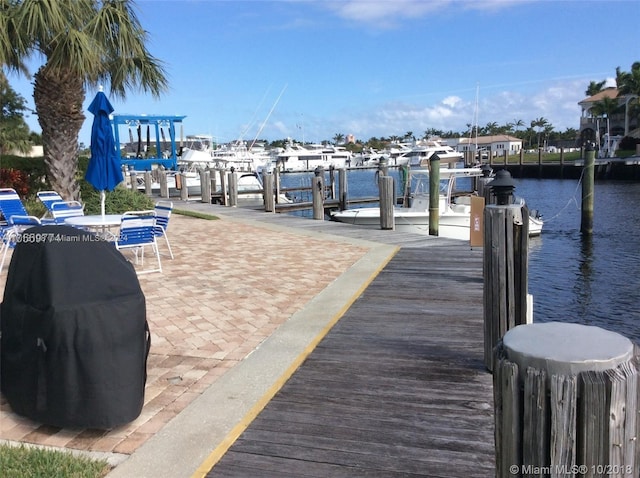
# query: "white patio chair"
137 231
163 213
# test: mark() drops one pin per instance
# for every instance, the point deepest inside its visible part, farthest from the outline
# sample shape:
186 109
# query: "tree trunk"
58 98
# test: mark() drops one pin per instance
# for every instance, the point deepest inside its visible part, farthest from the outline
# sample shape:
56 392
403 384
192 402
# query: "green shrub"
119 200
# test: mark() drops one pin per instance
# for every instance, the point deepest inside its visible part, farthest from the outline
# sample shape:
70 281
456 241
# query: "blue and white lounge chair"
16 220
163 213
59 209
137 231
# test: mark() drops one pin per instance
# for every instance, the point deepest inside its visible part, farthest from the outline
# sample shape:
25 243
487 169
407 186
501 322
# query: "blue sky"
311 69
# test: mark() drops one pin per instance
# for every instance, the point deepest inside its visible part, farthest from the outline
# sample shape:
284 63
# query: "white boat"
455 208
200 152
296 157
422 151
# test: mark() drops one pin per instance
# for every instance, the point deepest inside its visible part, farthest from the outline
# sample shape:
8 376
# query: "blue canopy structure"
104 171
165 152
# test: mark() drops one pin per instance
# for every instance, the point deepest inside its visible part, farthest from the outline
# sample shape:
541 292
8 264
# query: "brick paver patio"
229 287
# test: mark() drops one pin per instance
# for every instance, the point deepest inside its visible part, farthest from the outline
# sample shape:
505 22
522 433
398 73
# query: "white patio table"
97 223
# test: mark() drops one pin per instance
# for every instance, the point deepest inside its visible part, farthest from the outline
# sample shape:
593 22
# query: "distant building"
488 145
350 139
620 124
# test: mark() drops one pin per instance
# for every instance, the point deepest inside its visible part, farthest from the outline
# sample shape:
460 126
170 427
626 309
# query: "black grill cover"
74 331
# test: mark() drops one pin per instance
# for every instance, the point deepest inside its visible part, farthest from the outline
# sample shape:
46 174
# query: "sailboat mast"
267 118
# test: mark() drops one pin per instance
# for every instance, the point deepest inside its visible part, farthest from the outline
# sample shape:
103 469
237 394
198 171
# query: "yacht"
419 155
296 157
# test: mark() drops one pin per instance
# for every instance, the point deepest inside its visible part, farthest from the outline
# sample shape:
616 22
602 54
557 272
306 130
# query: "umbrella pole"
103 196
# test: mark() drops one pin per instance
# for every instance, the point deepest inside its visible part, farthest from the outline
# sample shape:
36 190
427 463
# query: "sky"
312 69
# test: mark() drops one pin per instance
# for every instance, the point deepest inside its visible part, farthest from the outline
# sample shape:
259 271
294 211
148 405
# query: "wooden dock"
397 388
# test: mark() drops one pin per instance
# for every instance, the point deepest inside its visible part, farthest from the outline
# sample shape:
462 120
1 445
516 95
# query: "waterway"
592 280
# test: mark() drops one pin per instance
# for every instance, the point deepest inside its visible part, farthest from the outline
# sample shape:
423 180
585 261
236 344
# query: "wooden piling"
387 199
233 188
205 186
506 245
276 182
133 180
184 189
164 187
342 189
267 191
588 175
147 183
434 195
223 188
566 398
318 194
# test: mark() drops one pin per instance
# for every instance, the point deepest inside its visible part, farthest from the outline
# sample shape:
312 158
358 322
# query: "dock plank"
398 387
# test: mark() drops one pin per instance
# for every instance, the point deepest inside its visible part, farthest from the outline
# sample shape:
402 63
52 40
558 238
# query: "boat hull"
450 224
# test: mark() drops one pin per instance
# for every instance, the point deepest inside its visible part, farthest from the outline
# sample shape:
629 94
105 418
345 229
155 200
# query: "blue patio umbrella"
104 171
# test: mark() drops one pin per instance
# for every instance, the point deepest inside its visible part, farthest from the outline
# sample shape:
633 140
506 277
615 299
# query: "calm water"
593 281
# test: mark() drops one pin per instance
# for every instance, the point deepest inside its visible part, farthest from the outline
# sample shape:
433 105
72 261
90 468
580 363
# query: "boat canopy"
140 155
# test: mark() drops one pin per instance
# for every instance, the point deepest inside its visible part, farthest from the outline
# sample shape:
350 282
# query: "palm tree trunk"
58 97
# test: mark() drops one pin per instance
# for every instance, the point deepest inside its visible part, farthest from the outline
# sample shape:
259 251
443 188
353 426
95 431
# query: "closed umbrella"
104 171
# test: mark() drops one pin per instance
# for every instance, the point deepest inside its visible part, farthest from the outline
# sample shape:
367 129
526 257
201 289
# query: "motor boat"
296 157
454 206
420 154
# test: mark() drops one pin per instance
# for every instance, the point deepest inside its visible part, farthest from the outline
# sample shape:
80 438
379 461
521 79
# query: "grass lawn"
30 462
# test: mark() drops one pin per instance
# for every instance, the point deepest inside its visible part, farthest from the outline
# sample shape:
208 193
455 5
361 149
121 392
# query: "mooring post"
387 199
147 183
205 186
277 183
164 187
565 398
133 180
184 190
224 200
588 174
233 187
342 188
383 166
267 191
434 195
506 247
318 193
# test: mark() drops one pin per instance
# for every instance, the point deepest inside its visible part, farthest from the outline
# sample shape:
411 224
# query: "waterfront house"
619 122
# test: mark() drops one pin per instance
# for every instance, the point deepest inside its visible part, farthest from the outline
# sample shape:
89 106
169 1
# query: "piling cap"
589 146
434 157
502 186
503 180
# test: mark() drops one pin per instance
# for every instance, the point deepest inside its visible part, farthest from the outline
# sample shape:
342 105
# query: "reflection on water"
586 279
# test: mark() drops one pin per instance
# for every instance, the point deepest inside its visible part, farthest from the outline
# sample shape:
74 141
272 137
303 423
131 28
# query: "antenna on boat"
474 125
267 118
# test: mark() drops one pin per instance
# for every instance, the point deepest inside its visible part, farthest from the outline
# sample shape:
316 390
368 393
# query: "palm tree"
541 124
491 128
84 44
629 86
338 138
605 107
517 124
595 87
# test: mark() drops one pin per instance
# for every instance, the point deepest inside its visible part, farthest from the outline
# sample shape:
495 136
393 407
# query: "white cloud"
386 13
